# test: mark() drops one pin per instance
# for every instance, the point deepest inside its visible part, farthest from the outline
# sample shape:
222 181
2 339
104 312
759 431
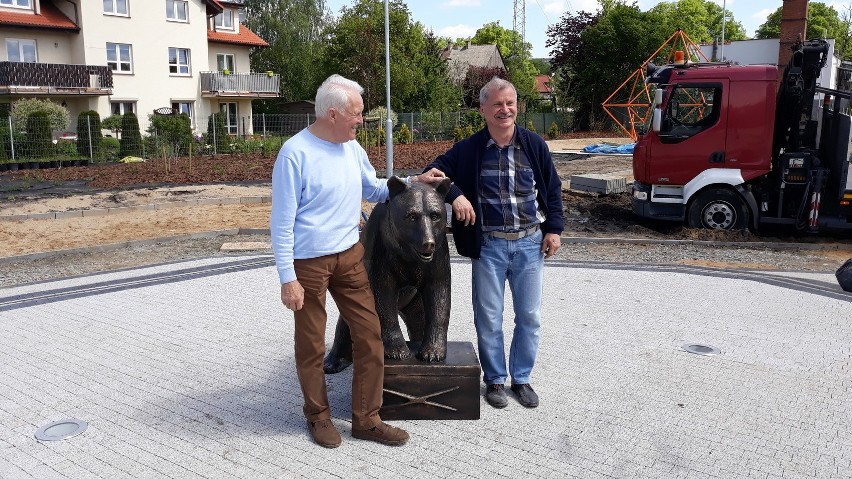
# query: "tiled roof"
542 84
245 37
50 18
460 59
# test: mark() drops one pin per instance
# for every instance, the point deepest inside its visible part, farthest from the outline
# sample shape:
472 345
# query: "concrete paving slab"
186 370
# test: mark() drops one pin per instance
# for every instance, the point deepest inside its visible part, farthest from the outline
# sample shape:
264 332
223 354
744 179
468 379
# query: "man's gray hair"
493 84
334 93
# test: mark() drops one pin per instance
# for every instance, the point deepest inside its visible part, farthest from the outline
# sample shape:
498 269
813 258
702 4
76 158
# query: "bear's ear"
444 186
396 186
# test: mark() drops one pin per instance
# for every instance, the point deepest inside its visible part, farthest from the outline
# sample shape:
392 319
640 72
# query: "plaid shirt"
507 189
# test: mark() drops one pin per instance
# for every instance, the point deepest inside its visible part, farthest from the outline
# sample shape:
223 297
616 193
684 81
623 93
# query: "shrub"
112 123
217 134
131 138
553 131
170 132
468 131
89 134
109 148
39 142
530 126
58 116
458 133
403 136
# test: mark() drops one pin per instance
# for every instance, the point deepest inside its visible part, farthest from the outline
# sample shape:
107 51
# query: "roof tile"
244 37
49 18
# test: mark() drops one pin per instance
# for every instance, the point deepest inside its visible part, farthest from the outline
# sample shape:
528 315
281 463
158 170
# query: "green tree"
594 52
701 20
356 50
823 22
294 30
131 137
89 134
57 115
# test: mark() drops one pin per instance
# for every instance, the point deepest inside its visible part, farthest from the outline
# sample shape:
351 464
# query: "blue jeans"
521 262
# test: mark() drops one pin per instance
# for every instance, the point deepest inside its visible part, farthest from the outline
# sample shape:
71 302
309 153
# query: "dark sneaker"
383 433
526 396
324 433
495 394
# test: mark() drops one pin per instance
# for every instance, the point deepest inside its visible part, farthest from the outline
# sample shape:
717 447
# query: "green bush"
458 133
553 131
39 142
131 138
89 134
381 113
403 136
109 148
58 116
170 133
217 134
530 126
468 131
5 145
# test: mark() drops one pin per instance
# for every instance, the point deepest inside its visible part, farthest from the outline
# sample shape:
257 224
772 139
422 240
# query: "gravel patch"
23 271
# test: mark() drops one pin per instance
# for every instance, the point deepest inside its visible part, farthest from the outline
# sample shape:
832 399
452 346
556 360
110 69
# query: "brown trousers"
344 276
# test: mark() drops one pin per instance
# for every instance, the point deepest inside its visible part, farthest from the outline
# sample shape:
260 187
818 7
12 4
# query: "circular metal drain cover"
59 430
702 349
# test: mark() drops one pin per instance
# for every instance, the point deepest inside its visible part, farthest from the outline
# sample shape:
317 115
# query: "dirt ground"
118 186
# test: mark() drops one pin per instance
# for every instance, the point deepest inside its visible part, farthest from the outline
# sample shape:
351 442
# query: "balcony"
54 79
234 85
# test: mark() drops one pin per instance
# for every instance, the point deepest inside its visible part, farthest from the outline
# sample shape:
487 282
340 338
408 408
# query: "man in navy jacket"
507 217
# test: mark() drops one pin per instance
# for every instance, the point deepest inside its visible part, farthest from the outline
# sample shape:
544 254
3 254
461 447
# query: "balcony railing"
55 78
257 85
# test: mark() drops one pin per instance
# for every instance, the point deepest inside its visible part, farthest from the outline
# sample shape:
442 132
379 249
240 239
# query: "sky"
461 18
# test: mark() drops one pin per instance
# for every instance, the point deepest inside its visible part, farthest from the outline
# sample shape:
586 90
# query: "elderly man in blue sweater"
320 176
507 217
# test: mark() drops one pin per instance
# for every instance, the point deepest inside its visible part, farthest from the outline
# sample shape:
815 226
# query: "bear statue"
408 264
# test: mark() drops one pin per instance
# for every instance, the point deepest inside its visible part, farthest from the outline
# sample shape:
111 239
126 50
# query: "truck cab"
713 152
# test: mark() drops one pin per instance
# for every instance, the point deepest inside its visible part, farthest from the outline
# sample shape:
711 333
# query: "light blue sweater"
317 187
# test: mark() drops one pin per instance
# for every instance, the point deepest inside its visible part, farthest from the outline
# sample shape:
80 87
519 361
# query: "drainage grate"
60 430
702 349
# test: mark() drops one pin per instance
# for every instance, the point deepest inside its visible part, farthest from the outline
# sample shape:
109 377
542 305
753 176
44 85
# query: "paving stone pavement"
185 370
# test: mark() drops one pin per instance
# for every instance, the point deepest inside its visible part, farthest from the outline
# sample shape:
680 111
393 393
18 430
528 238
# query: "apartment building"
140 56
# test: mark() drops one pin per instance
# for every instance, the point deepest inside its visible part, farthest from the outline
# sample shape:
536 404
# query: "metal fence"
36 145
422 126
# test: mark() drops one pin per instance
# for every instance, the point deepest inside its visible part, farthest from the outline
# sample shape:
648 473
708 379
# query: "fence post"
245 133
11 137
263 119
89 129
215 128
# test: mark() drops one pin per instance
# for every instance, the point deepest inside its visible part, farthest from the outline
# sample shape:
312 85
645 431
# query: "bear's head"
417 218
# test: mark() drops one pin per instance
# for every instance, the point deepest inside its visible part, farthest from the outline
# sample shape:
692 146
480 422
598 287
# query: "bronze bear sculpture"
408 264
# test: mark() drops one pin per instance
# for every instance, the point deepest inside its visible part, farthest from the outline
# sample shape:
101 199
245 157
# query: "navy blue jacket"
463 163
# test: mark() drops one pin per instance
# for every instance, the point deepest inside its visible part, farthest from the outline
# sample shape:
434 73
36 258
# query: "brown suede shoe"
324 433
383 433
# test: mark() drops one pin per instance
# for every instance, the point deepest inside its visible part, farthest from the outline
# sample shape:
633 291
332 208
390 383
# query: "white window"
177 10
122 107
225 61
15 3
120 57
21 50
229 111
184 107
225 20
179 61
115 7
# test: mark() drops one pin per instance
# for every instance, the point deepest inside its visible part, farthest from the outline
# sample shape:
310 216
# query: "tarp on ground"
609 149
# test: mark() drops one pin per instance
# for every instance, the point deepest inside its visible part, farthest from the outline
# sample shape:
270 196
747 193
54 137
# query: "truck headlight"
640 195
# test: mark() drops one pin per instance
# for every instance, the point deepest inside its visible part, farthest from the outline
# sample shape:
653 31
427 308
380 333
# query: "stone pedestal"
414 389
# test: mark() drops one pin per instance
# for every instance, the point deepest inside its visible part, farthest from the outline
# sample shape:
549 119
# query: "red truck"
725 148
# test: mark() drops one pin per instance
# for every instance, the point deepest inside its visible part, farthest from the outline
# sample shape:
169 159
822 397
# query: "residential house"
544 89
461 58
118 56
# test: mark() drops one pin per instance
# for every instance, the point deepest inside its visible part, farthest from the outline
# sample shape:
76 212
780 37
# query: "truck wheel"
718 209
